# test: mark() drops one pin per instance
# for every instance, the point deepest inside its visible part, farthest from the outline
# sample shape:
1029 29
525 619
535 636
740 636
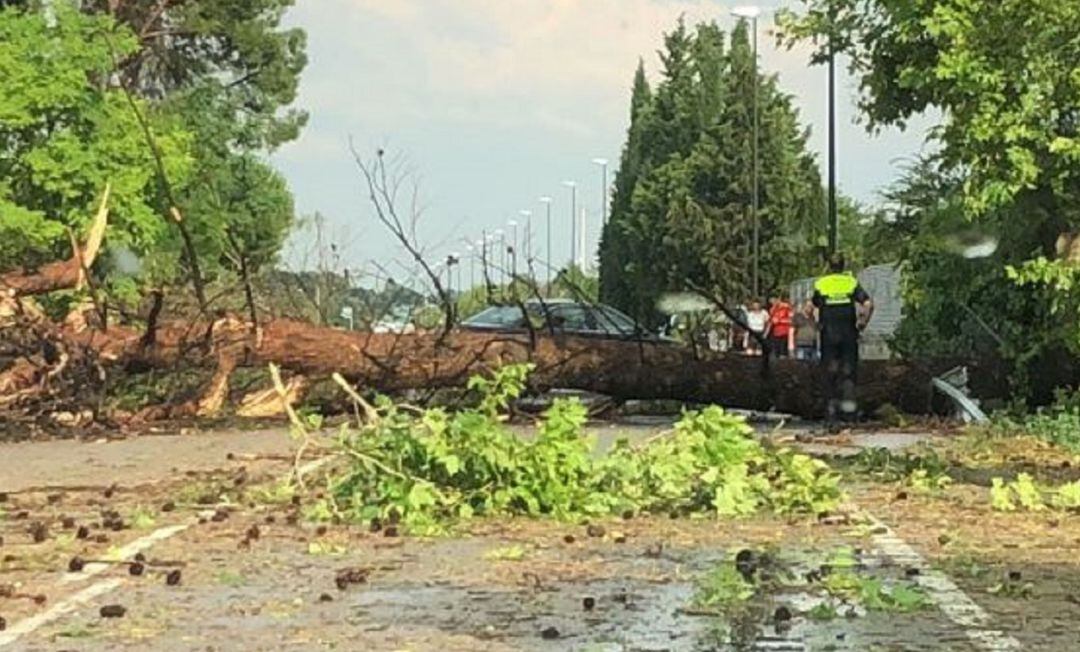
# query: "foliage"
65 133
428 468
844 582
680 217
723 588
212 81
921 481
1008 103
496 393
1005 496
1005 164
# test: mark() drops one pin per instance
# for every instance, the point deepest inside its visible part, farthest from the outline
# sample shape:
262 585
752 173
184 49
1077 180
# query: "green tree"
1003 77
65 133
681 216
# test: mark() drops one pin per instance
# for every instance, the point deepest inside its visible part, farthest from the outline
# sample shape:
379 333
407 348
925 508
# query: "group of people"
779 327
825 328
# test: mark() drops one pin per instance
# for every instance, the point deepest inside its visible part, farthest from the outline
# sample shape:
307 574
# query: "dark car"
562 316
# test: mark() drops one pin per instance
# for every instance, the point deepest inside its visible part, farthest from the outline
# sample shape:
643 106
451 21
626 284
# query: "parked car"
563 316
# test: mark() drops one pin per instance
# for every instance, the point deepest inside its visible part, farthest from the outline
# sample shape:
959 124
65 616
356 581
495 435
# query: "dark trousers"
840 359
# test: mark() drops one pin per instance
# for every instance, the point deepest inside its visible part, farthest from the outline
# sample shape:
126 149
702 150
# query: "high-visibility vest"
837 289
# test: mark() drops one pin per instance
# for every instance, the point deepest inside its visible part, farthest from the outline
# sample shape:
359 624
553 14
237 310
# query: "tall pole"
834 223
527 239
756 198
603 163
472 267
584 238
573 220
547 202
513 250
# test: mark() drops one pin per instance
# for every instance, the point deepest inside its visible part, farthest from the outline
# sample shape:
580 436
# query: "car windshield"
497 317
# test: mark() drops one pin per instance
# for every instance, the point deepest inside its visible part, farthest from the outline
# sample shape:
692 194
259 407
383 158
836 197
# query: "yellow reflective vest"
837 289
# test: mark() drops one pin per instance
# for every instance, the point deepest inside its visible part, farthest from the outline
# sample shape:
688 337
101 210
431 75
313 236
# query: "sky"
491 104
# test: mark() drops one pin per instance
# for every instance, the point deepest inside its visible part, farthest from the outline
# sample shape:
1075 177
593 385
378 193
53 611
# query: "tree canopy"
213 82
681 216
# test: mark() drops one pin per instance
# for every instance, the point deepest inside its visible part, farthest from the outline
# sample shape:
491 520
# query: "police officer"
836 297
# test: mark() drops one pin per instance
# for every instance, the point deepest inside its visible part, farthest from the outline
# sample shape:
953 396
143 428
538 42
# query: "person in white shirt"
757 320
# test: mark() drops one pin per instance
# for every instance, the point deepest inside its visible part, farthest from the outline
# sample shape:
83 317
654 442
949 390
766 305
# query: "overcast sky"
494 103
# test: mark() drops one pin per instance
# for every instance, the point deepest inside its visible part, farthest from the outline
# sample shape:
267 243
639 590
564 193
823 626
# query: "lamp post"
751 13
603 163
572 185
547 252
834 222
500 235
513 249
527 240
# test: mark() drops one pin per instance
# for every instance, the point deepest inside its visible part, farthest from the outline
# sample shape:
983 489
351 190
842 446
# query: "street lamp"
572 185
512 250
547 202
751 13
834 222
500 235
603 163
527 215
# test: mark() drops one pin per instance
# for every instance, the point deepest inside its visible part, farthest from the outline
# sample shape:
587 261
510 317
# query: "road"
505 585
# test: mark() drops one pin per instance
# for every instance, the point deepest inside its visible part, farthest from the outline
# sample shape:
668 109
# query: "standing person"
781 336
835 296
806 333
757 320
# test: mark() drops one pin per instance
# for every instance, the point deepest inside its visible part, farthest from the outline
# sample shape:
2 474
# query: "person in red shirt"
781 335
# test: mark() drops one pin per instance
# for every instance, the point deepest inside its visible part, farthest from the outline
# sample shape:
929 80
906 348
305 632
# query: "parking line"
62 608
953 602
69 604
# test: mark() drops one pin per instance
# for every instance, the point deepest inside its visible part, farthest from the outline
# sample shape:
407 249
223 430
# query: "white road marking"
67 605
954 603
127 552
62 608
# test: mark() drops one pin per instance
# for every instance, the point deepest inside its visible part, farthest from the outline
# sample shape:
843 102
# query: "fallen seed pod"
595 531
76 565
67 522
782 614
108 493
173 578
588 603
139 557
168 507
136 569
326 597
390 531
38 532
569 538
350 576
3 624
113 611
549 634
253 532
82 533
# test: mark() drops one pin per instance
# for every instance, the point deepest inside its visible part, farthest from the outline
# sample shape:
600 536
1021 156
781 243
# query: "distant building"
882 282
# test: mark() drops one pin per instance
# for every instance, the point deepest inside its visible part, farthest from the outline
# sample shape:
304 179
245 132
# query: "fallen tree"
65 362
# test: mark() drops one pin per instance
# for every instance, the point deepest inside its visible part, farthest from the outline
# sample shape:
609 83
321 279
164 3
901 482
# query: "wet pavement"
500 585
